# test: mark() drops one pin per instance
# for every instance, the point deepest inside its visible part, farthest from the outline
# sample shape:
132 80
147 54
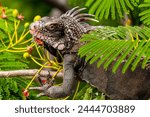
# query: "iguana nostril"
33 27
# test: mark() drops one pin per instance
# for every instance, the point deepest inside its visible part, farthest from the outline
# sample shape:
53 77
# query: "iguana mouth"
39 41
37 37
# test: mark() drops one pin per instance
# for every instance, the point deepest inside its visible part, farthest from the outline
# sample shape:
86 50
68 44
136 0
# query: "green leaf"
145 17
89 2
100 54
125 54
109 52
87 95
132 56
94 6
140 56
126 46
104 8
115 54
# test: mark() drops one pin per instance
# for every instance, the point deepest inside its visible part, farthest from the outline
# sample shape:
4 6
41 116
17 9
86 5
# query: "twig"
30 72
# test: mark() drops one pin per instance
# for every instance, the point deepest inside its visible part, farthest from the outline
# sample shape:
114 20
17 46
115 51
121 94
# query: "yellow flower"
15 13
36 18
26 55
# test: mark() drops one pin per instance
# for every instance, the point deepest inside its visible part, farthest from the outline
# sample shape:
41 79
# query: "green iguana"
63 34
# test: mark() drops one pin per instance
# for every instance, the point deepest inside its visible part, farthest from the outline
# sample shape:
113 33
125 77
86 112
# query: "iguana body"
63 34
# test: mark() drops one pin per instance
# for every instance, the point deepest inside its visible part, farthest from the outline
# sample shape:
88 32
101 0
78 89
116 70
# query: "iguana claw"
42 88
45 83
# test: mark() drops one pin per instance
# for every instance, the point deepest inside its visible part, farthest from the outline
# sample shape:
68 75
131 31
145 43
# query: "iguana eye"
51 26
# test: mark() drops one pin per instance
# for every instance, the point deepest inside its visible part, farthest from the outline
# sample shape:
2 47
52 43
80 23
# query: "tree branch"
30 72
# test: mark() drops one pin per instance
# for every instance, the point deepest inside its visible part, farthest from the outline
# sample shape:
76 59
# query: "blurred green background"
31 8
28 8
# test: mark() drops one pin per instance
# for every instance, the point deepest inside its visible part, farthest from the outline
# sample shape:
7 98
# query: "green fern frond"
145 14
122 44
12 61
104 8
146 0
10 90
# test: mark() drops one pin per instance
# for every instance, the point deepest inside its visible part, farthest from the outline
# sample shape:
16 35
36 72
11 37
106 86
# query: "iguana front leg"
69 80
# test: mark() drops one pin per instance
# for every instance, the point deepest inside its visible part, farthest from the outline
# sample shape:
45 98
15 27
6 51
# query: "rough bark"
30 72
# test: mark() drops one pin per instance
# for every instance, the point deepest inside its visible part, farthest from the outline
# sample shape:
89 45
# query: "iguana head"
47 31
61 33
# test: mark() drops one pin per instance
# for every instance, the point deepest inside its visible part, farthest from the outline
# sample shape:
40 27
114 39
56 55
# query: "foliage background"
129 15
29 8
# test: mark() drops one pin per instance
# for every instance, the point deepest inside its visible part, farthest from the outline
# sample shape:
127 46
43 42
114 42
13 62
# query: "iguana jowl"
63 34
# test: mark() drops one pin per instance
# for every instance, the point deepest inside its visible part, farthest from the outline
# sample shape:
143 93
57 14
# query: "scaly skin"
63 34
